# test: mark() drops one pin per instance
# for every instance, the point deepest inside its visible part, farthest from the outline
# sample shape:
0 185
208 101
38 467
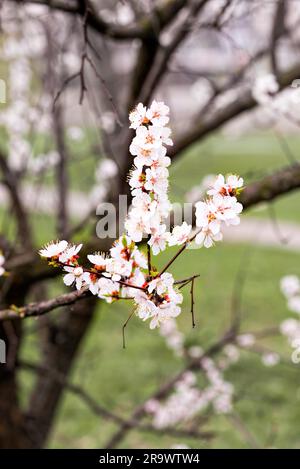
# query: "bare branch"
272 186
278 28
166 54
101 411
11 181
143 29
245 102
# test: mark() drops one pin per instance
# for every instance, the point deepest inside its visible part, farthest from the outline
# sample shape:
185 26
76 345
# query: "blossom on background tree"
127 272
276 103
290 328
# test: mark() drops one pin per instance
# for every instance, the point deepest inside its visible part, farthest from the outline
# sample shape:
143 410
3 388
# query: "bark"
12 423
59 352
13 432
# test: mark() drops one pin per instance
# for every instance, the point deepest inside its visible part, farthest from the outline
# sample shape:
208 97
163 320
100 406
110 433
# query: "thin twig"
124 326
183 247
192 301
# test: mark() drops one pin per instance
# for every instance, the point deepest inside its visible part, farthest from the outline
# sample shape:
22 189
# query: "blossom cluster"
106 170
290 328
188 399
220 208
266 92
125 272
149 179
290 287
119 275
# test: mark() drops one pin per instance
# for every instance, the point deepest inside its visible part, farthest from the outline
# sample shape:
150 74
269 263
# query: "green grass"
118 379
268 397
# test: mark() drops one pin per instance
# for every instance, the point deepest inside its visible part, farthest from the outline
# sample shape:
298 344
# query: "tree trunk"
13 430
60 349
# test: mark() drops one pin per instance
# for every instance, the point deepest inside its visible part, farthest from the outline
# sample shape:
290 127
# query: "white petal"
68 279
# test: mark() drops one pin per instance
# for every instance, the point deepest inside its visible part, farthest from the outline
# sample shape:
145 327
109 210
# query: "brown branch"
243 103
143 29
61 172
101 411
43 307
278 28
166 53
11 180
272 186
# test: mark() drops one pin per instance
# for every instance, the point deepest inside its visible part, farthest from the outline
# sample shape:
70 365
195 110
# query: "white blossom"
107 169
138 117
208 235
74 275
290 285
108 290
265 88
294 304
229 186
69 254
161 284
158 114
158 240
98 259
2 261
270 359
180 234
245 340
75 133
54 249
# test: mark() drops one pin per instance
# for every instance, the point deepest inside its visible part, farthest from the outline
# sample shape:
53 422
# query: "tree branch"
11 181
159 69
245 102
278 28
43 307
143 29
101 411
272 186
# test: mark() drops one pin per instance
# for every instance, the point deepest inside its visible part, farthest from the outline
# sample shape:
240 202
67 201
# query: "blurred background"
71 71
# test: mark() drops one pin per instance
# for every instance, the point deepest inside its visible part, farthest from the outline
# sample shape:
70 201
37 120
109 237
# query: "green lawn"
120 379
268 398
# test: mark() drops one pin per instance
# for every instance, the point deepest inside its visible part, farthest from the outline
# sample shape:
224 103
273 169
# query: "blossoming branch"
127 272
